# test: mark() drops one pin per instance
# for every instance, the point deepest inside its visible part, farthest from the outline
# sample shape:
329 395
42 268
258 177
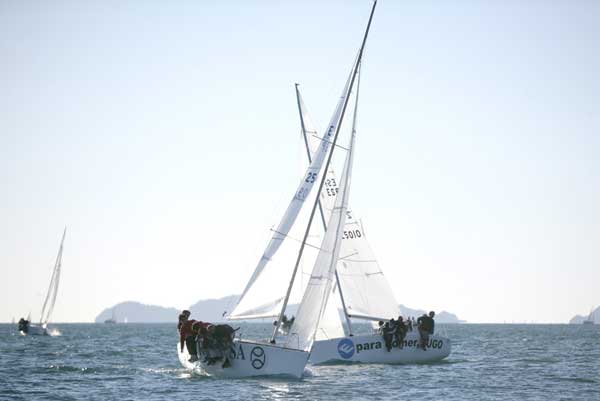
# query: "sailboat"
113 318
289 356
361 291
590 318
25 327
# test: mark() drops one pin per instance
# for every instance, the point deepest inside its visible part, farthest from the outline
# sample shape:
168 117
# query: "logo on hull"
257 357
346 348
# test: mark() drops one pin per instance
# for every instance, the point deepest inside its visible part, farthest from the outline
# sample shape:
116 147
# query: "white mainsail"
258 300
314 301
366 292
53 288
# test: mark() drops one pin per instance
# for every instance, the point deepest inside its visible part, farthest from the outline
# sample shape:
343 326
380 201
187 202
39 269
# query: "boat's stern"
372 349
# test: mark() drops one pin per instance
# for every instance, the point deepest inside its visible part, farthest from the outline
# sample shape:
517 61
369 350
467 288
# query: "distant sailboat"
113 318
266 293
590 319
42 329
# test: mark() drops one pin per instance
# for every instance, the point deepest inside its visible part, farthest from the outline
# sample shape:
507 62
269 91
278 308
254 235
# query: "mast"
312 213
337 278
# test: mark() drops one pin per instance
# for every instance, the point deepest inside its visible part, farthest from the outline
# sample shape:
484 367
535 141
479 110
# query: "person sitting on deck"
426 326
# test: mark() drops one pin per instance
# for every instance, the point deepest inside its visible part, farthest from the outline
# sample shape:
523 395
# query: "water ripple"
136 362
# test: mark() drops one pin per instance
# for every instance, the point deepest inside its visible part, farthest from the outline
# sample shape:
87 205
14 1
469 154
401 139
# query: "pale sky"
165 135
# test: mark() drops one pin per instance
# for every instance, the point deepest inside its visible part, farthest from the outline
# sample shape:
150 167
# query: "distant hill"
578 319
211 310
136 312
440 317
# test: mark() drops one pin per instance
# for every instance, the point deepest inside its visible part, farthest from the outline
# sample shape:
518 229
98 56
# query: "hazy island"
578 319
211 310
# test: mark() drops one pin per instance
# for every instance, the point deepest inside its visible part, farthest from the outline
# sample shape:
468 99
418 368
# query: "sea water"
139 362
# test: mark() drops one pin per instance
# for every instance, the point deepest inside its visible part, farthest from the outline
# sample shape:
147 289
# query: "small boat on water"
287 356
25 326
112 319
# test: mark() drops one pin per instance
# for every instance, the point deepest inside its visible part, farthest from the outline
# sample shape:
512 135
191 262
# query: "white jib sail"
258 300
53 288
366 291
330 325
319 286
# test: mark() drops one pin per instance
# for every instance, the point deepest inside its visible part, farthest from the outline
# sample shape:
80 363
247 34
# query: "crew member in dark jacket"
400 331
426 327
389 329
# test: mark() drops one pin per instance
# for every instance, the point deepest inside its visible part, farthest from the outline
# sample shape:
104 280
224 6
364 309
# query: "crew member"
24 325
187 334
400 331
426 326
389 328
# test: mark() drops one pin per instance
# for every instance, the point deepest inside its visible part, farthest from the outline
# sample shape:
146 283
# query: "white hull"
371 349
252 359
35 331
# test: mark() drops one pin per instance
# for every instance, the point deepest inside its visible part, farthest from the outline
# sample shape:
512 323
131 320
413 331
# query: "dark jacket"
426 323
